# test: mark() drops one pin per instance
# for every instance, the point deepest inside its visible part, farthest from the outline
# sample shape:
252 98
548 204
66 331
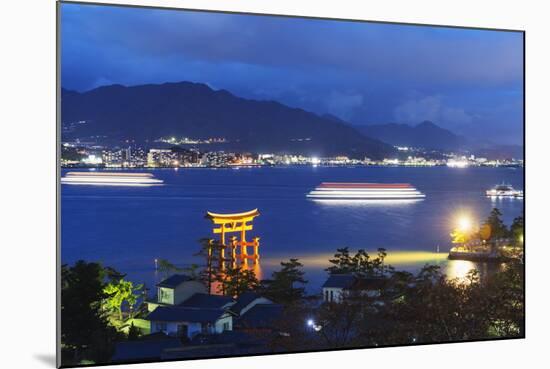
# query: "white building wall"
225 320
172 328
338 294
332 294
188 289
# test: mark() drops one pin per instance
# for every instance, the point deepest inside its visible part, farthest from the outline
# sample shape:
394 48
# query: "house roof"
349 281
243 301
174 280
184 314
144 348
260 316
339 281
370 283
204 300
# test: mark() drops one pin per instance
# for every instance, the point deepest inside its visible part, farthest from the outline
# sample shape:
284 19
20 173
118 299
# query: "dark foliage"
286 285
85 332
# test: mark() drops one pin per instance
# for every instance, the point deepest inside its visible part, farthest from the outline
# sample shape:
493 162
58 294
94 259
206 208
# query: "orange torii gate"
236 223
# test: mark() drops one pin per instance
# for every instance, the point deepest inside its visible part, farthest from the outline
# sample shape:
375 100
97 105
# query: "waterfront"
127 228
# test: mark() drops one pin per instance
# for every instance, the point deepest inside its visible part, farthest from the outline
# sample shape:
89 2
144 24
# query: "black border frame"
58 174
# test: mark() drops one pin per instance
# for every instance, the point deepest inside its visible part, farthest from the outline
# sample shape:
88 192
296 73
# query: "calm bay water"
128 227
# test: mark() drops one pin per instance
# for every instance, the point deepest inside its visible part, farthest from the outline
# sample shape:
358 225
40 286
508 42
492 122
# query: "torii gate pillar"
236 223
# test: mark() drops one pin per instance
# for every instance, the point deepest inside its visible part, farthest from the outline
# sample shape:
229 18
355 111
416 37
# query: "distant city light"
89 154
92 159
457 163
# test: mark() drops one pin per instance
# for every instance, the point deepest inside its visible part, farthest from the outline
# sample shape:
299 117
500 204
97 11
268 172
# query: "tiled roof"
243 301
370 283
349 281
260 316
339 281
174 280
204 300
184 314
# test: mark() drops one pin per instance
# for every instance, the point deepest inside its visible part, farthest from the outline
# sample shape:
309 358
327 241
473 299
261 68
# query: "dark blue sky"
470 81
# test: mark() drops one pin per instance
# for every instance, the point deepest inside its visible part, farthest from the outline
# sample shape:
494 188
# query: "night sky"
470 81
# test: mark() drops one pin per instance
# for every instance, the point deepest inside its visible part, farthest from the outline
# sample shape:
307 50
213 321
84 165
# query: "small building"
338 286
176 289
260 318
206 301
255 313
247 301
335 285
186 322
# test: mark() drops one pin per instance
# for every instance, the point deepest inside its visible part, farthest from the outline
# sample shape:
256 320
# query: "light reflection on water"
127 228
396 258
410 261
458 269
314 266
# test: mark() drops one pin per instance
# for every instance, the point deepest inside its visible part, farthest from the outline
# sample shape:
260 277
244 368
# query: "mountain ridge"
425 135
151 111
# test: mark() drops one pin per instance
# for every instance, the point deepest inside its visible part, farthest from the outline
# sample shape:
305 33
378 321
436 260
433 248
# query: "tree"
343 263
378 266
85 331
339 322
459 237
236 280
504 295
517 230
496 226
166 267
210 250
133 332
294 333
361 264
282 287
192 271
118 292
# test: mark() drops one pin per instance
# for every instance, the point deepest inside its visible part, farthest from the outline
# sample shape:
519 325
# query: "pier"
497 253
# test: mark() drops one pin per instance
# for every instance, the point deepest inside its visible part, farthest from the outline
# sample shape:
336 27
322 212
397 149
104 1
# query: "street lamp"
464 224
311 324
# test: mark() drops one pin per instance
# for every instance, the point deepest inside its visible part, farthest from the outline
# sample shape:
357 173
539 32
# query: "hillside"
148 112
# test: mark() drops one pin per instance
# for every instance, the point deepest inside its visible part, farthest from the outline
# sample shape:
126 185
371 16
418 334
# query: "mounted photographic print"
237 184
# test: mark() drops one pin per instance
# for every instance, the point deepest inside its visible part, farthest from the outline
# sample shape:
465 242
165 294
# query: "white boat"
365 191
111 179
504 190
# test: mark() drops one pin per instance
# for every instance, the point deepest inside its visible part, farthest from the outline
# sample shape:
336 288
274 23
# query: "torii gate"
234 223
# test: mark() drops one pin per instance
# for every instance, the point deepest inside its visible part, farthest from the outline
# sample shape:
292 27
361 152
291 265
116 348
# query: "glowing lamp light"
310 323
464 224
